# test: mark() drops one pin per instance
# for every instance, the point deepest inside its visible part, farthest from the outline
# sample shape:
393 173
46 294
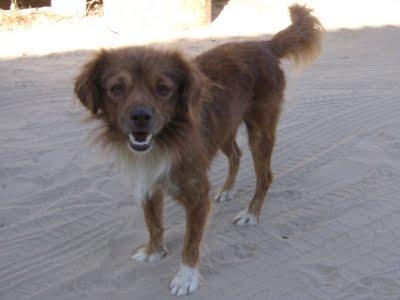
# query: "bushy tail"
301 41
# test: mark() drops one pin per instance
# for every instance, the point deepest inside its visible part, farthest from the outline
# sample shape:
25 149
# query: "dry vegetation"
16 19
24 18
94 8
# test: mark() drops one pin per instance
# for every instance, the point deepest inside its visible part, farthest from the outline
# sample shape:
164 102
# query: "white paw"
224 195
245 218
185 282
142 256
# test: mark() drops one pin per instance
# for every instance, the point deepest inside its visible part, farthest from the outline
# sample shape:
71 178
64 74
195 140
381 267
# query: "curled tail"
301 41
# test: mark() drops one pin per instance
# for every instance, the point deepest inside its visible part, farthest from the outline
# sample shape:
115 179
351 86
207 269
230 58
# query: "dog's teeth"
131 138
135 142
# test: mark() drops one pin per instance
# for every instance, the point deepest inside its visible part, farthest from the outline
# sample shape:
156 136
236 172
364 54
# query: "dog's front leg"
197 207
153 214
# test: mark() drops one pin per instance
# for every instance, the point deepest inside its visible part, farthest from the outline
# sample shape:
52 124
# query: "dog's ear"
87 87
194 90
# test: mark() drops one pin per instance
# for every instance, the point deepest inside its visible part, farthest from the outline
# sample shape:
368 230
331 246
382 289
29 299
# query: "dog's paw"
142 256
245 218
185 282
224 195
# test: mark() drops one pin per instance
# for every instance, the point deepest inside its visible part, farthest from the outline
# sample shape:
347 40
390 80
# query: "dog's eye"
162 90
117 89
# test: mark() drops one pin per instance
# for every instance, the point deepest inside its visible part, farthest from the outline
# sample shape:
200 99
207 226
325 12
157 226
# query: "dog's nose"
141 117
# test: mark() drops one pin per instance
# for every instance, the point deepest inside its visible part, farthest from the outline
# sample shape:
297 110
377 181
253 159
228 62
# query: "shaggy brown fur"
197 106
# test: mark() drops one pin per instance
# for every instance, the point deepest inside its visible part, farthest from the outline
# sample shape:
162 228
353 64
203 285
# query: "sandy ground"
330 224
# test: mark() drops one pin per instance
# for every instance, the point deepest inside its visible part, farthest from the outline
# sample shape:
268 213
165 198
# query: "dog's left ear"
86 83
194 90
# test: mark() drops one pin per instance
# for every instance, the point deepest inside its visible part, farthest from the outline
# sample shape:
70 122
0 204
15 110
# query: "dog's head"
141 91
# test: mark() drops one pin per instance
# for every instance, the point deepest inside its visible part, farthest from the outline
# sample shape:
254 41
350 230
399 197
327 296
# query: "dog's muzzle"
141 119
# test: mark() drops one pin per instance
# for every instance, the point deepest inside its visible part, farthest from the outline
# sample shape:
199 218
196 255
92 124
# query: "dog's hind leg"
261 132
233 153
154 250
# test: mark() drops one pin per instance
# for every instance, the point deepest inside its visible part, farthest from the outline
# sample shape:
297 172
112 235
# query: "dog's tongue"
140 136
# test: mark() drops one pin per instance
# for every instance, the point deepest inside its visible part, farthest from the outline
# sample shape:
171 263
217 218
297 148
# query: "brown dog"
166 117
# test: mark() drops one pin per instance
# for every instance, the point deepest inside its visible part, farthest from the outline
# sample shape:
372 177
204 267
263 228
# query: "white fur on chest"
143 171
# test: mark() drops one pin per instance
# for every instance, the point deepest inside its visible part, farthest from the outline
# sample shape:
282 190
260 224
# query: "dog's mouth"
140 141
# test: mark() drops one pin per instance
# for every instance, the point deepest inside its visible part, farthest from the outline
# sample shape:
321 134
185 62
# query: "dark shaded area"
217 7
5 4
